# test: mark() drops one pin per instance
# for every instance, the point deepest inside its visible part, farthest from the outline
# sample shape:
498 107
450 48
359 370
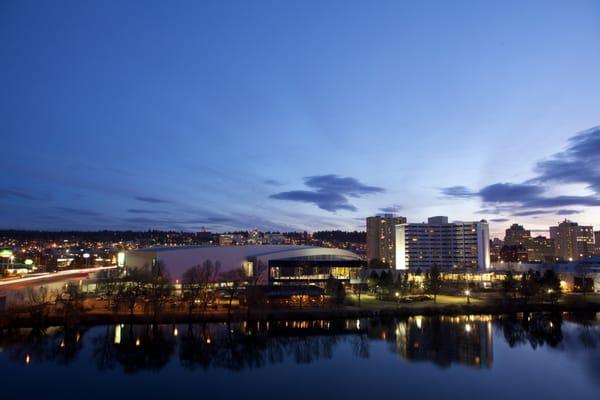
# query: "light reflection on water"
447 347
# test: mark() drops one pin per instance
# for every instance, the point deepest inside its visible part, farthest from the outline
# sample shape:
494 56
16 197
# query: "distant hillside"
341 236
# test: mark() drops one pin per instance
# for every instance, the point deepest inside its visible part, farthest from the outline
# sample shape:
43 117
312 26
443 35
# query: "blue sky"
297 115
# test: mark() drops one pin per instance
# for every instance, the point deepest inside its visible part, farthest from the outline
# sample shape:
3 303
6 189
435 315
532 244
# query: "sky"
308 115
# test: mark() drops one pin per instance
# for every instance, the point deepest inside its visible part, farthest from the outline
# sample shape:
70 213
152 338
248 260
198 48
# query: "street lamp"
397 298
468 294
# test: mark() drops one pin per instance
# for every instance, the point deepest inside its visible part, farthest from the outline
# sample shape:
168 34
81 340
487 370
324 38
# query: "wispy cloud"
457 191
273 182
528 213
160 222
153 200
79 211
329 192
19 195
325 200
391 209
579 163
568 212
142 211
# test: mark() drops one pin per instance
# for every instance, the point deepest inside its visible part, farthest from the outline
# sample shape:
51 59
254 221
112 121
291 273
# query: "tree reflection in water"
535 329
443 340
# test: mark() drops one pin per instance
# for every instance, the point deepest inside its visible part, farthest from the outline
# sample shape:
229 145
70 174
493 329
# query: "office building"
540 249
572 241
514 253
381 244
454 245
495 248
516 235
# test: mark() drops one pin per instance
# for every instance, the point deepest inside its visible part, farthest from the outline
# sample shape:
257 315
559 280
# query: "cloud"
273 182
509 192
458 191
325 200
79 211
142 211
528 213
19 195
149 221
509 197
499 220
152 200
330 192
568 212
391 209
333 183
488 211
579 163
7 193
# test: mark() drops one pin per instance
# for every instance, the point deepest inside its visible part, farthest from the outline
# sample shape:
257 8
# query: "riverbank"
370 307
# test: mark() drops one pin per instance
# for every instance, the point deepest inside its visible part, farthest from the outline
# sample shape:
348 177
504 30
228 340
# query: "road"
20 283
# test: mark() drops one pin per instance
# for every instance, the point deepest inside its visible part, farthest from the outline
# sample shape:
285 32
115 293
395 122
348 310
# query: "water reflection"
441 340
56 344
445 340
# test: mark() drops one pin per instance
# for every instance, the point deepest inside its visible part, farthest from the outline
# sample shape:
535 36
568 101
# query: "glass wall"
311 270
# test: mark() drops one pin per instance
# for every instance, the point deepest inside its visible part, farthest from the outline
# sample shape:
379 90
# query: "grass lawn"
369 301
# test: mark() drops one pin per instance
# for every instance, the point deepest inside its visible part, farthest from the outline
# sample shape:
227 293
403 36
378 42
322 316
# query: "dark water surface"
484 357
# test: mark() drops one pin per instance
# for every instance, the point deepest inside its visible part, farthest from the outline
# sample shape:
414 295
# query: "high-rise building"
597 242
540 249
381 244
572 241
495 247
514 253
454 245
516 235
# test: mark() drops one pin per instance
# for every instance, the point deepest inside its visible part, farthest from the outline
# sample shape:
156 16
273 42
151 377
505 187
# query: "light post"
468 294
397 298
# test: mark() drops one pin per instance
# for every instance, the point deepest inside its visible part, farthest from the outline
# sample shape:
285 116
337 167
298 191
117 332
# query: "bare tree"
254 295
39 299
583 272
131 288
158 289
70 298
108 285
259 270
233 279
196 285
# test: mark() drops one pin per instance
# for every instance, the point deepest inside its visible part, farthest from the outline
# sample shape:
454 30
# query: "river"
522 356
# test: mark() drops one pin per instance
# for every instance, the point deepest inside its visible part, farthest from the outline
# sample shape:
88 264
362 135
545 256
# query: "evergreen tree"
509 286
433 282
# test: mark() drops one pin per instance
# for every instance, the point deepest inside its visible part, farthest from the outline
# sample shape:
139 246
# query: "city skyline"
272 116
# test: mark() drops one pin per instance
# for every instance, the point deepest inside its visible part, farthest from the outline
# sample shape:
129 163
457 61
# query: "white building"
283 263
455 245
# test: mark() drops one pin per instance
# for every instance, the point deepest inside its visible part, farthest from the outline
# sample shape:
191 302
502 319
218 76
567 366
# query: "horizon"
534 232
298 117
